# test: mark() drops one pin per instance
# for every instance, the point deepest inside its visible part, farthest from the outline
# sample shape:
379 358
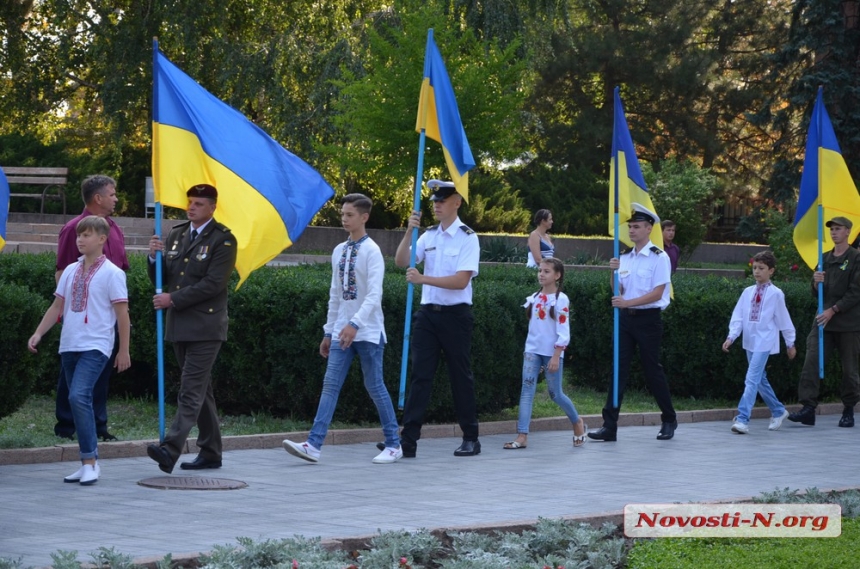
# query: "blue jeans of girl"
532 365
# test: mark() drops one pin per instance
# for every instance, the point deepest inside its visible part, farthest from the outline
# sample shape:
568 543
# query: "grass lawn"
137 419
684 553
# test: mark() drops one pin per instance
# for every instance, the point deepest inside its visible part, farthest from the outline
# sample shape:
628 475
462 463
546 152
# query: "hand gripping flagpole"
616 284
159 314
416 206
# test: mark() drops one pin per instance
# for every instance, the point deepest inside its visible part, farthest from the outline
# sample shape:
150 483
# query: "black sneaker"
847 419
805 416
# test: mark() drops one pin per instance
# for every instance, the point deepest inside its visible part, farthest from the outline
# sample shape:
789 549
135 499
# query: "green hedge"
271 361
21 311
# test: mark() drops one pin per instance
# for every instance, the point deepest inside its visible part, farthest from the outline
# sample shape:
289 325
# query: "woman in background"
540 244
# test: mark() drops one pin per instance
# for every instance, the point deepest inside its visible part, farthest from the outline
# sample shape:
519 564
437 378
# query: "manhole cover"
192 483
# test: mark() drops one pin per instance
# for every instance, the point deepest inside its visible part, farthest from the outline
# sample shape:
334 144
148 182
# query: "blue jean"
756 382
339 361
82 370
532 364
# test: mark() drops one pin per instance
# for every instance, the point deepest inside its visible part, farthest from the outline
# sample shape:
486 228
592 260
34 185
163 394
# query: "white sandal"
579 440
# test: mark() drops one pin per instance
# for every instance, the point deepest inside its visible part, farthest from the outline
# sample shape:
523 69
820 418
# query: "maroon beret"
202 191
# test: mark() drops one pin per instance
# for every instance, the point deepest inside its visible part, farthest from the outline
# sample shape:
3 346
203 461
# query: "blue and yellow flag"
266 194
630 187
439 117
4 207
825 180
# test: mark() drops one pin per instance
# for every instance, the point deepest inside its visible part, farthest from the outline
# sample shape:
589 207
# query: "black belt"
640 311
445 307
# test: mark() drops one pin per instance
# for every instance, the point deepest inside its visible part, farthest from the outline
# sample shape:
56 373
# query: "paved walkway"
346 496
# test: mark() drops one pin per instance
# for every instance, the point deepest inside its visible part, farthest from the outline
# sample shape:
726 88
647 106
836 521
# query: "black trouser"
65 426
645 329
438 329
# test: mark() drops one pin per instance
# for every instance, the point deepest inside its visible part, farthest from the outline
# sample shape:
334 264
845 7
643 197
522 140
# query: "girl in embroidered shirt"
548 311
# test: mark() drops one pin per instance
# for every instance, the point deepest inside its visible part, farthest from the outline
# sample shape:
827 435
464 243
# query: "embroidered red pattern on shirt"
757 301
81 284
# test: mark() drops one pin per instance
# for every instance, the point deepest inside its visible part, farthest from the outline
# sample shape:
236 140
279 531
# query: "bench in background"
48 178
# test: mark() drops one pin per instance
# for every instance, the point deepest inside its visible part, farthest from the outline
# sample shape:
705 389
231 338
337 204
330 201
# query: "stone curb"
130 449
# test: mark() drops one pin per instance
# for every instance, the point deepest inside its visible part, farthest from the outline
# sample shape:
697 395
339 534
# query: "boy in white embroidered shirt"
354 325
92 297
760 315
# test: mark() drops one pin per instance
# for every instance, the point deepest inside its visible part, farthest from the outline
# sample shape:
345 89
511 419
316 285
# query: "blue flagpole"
159 327
616 283
416 206
159 314
820 289
820 253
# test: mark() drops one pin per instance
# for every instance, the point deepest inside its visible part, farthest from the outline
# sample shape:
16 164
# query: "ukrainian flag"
439 117
825 181
266 194
626 183
4 207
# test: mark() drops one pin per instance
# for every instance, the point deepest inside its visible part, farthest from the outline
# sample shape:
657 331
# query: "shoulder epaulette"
432 227
625 251
656 250
221 227
467 229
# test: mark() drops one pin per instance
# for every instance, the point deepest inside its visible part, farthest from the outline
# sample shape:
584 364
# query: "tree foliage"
728 86
378 104
686 194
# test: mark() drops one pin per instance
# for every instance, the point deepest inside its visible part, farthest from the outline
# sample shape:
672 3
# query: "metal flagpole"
159 314
416 206
820 246
616 283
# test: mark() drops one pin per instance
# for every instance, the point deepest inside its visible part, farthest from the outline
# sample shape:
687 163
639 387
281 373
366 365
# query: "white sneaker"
305 451
388 456
776 422
79 474
740 428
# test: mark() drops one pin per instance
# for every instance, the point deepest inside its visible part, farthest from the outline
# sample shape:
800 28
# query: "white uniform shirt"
444 254
545 333
88 299
642 272
364 305
761 320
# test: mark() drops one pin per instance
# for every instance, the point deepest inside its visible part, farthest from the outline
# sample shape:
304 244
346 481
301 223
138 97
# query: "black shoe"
667 431
603 434
64 430
160 455
847 419
805 416
106 437
468 448
407 452
380 446
200 463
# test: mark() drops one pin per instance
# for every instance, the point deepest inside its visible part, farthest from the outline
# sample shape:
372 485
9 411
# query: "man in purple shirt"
99 195
669 246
